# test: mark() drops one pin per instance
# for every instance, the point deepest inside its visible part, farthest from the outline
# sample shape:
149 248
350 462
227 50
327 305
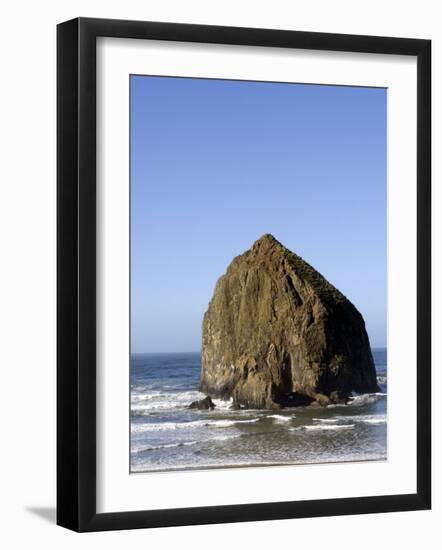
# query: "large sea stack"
277 333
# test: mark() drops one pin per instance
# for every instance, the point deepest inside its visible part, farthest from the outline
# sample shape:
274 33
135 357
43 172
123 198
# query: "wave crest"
137 428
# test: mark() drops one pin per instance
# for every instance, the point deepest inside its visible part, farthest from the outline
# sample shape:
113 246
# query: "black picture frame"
77 287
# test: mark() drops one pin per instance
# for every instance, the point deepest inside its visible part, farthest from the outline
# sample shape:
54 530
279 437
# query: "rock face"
277 333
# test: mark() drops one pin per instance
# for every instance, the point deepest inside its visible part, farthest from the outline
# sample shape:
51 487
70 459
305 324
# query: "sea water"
166 435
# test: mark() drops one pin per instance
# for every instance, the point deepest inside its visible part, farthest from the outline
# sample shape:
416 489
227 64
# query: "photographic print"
258 273
230 207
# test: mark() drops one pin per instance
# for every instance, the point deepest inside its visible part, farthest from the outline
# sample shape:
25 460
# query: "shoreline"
193 468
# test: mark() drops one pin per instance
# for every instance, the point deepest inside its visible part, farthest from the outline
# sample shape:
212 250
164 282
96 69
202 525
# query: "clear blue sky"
215 164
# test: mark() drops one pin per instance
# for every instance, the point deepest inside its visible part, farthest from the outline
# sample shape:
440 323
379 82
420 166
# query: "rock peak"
266 242
266 237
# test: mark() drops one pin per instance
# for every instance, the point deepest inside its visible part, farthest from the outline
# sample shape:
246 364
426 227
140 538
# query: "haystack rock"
277 334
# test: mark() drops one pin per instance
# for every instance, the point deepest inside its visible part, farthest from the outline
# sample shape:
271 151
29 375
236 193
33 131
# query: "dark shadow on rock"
44 512
295 399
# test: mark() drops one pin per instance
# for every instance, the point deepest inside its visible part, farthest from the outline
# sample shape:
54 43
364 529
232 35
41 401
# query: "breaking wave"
281 418
364 418
137 428
328 427
142 449
365 398
143 403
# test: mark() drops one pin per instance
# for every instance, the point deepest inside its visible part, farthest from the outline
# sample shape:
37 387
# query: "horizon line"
199 351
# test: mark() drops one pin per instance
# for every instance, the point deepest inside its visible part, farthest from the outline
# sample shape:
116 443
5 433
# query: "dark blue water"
166 435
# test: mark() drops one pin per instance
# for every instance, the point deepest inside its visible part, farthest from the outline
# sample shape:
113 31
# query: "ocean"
166 435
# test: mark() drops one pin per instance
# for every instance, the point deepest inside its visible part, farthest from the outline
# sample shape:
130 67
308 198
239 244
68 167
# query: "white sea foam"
136 428
228 423
143 403
136 449
375 419
365 398
281 418
140 449
223 403
364 418
318 427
